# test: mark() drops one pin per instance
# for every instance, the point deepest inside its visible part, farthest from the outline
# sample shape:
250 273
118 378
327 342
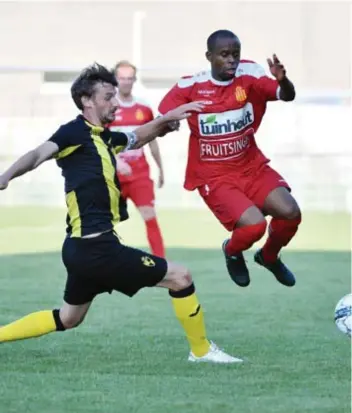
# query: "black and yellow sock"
190 314
33 325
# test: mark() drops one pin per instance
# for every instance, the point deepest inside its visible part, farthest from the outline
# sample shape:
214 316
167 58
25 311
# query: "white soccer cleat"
214 355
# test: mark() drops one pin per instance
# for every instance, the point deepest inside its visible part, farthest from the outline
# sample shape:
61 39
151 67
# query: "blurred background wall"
45 44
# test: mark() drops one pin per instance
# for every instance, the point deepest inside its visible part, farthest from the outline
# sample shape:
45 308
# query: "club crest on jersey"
139 115
240 94
225 123
148 262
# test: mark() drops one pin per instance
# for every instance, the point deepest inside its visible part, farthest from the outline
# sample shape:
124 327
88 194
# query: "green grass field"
130 355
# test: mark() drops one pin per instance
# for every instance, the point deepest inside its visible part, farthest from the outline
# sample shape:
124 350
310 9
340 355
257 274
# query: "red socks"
281 231
244 237
154 237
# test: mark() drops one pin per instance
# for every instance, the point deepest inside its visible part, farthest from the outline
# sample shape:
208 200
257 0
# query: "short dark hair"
219 34
86 81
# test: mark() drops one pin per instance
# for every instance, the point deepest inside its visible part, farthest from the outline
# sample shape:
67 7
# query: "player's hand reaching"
277 69
184 111
3 183
160 126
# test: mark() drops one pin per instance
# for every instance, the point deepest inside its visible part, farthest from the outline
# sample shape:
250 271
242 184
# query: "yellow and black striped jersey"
87 159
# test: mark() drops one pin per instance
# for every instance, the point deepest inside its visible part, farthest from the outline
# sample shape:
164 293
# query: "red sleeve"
268 88
150 115
175 97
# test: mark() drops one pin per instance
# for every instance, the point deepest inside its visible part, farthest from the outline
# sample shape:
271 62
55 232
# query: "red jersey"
222 136
128 117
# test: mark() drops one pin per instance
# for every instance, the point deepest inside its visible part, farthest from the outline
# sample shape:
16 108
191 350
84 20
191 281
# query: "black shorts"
103 264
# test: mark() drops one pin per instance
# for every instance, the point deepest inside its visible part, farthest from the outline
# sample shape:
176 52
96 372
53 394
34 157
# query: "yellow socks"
186 306
190 314
32 325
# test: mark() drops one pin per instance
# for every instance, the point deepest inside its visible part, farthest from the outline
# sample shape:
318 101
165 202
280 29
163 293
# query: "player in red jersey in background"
225 165
132 166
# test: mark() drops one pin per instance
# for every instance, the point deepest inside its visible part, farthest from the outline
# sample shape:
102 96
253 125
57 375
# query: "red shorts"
230 197
140 191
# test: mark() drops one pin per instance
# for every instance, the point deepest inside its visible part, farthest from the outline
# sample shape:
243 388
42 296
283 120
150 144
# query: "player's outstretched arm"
161 125
28 162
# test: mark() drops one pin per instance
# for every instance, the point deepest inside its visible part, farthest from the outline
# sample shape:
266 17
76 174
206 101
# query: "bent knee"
70 321
252 216
182 278
292 211
177 278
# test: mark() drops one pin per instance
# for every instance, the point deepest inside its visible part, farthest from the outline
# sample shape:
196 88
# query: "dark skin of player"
224 59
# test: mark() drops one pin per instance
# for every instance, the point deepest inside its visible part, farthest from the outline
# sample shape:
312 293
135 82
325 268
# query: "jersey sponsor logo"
148 262
225 123
205 92
226 148
240 94
139 115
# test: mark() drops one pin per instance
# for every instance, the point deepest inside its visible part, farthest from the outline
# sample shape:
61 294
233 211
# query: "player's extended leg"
286 217
190 315
238 214
154 236
44 322
129 270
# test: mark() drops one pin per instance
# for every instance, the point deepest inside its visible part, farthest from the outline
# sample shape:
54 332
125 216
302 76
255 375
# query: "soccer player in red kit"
225 164
132 166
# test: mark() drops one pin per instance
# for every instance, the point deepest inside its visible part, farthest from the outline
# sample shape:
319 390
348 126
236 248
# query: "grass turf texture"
130 355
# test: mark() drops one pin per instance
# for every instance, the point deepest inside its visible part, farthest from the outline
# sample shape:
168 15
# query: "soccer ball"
343 314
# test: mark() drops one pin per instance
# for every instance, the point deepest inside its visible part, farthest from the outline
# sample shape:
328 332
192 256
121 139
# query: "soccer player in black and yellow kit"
95 260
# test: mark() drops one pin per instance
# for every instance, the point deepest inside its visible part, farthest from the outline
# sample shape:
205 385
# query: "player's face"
225 58
125 77
104 102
